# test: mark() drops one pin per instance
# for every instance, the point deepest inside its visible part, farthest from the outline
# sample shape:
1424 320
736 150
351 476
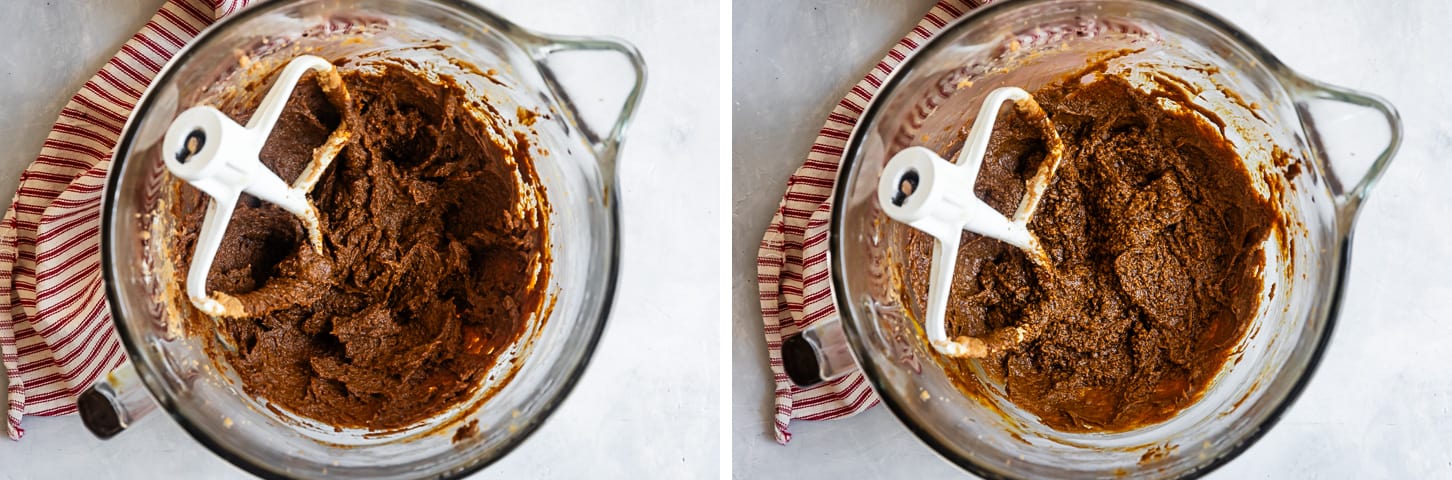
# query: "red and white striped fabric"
791 266
56 334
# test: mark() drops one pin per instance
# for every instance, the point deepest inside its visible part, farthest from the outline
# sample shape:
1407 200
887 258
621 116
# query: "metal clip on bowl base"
114 403
928 193
220 158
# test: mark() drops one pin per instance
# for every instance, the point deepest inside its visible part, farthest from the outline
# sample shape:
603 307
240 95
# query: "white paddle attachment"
216 155
931 194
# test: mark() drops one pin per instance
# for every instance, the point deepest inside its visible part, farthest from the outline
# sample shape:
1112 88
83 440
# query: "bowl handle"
114 403
606 148
1342 164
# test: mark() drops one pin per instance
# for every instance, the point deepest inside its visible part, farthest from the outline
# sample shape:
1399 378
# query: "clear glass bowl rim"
846 178
109 271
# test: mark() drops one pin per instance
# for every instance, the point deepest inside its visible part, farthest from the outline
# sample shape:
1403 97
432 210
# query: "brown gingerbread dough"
1153 230
429 270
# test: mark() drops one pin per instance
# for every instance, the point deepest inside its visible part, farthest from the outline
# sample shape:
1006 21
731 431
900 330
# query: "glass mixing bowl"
574 163
1315 185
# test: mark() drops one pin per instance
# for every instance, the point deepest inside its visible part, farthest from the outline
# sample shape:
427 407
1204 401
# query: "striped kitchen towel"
56 334
792 271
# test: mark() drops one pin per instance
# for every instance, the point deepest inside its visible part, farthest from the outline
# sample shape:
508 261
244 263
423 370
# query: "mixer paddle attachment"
208 150
928 193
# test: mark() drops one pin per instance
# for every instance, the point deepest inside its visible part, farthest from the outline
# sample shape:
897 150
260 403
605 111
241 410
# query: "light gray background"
647 405
1380 405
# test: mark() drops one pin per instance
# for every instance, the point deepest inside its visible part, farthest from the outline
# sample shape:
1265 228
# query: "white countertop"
647 405
1380 406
